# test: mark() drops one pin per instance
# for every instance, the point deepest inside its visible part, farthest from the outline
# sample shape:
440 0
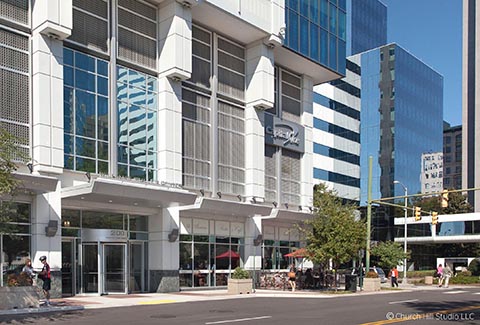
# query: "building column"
306 198
253 253
47 208
163 252
259 96
51 23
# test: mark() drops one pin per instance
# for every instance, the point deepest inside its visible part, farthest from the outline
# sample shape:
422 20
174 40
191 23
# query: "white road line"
454 292
238 320
476 293
402 301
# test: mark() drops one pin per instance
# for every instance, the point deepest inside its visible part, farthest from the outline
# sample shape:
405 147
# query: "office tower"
169 141
452 157
471 102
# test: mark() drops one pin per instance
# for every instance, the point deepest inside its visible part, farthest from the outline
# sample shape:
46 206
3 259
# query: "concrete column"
51 23
47 207
259 96
306 198
253 254
175 40
163 255
170 131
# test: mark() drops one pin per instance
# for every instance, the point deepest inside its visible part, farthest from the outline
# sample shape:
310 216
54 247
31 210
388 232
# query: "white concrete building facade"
169 141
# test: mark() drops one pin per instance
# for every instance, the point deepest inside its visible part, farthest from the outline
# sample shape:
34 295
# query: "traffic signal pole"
369 214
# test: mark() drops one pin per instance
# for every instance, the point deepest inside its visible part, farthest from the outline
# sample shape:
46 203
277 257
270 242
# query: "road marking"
454 292
418 316
402 301
156 302
238 320
476 293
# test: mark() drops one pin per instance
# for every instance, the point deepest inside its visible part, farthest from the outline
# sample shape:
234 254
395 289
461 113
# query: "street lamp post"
404 281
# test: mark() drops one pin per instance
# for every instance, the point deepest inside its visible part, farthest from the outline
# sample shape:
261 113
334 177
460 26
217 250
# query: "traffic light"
418 213
434 218
444 202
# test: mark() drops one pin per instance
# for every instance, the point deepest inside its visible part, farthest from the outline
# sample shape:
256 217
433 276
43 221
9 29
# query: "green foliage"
240 273
371 275
333 233
463 279
457 203
420 274
389 254
474 267
9 153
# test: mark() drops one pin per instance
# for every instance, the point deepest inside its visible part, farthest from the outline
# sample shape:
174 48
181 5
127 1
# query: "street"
425 307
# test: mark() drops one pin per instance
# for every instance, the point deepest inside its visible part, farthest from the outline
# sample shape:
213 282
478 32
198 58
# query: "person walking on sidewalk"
394 276
440 275
447 274
292 278
45 276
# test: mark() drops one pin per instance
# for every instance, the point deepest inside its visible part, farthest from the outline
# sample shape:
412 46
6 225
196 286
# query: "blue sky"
432 31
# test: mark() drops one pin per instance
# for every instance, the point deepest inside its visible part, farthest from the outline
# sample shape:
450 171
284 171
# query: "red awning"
301 252
228 254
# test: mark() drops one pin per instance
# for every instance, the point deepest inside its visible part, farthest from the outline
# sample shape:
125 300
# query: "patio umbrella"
299 253
228 254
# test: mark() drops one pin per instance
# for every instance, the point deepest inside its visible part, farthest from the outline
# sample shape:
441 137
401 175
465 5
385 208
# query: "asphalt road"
425 307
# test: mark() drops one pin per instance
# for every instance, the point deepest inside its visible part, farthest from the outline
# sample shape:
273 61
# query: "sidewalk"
82 302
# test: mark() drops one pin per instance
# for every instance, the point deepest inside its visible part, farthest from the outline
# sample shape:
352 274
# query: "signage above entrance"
104 235
285 134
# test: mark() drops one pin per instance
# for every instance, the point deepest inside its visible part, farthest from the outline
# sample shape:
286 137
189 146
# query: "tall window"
15 249
288 106
221 103
137 124
86 112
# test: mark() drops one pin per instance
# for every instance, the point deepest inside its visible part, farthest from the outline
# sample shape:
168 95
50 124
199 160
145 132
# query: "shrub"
20 280
461 279
371 274
240 273
474 267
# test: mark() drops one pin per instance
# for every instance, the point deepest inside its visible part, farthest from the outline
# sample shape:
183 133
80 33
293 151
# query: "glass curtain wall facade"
317 30
401 103
213 107
366 25
90 112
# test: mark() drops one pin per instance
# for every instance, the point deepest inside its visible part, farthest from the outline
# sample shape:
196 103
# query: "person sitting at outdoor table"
308 278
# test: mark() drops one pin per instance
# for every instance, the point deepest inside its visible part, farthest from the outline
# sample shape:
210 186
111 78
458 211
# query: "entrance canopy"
36 183
210 207
125 192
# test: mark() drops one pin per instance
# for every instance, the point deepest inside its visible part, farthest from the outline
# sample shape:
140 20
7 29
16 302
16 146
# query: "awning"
211 207
36 183
299 253
229 254
126 192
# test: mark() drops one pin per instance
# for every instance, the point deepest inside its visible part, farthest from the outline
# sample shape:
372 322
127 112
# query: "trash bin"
350 282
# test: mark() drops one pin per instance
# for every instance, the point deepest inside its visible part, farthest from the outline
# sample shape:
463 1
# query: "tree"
389 254
9 153
334 233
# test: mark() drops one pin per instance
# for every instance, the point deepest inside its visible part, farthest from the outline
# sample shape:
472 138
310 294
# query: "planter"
239 286
19 297
429 279
371 284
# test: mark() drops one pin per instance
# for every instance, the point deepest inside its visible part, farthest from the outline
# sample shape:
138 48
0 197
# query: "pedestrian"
28 270
447 274
45 276
361 273
440 274
292 277
394 276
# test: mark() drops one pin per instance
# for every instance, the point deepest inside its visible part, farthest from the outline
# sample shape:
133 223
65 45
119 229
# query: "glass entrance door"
90 278
136 282
114 268
68 267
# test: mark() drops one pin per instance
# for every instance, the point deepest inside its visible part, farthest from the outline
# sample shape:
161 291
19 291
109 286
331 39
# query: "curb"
40 310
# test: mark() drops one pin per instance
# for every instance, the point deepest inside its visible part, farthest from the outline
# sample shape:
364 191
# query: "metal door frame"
73 242
102 265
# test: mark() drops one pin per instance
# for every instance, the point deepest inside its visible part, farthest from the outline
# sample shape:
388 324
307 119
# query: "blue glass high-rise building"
366 25
402 117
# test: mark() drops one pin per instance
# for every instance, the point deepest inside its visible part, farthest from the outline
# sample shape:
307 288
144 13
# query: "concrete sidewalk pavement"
81 302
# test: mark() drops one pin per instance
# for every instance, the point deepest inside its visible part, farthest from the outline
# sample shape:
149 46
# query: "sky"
431 30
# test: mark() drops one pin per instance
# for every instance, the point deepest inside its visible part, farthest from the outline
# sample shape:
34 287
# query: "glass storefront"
209 251
15 242
103 252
